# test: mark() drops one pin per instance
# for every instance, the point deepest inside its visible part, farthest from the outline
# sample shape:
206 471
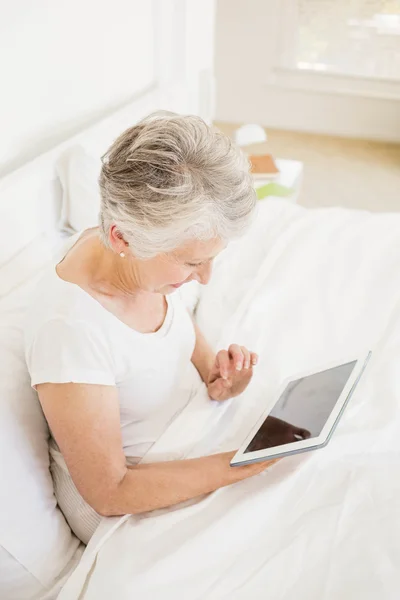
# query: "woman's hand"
231 372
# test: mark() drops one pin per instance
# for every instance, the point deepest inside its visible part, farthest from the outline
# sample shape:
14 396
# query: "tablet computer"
305 413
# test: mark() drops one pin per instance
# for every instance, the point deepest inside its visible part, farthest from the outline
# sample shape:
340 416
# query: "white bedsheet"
303 288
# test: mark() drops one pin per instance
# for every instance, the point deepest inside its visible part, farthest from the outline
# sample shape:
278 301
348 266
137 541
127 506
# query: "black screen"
303 409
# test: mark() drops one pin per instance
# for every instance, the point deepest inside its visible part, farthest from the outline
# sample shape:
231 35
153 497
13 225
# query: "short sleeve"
62 351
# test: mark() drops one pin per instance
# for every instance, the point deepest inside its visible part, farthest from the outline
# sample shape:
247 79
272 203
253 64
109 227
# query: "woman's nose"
203 273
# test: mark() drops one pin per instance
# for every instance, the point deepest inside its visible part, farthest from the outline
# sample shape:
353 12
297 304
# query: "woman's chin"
167 289
170 288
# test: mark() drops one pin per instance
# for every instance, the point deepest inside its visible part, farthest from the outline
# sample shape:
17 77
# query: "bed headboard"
31 196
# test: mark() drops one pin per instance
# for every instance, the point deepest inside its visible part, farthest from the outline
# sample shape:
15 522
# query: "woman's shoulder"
56 300
56 297
64 338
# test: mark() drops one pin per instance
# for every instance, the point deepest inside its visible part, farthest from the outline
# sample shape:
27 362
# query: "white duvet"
302 288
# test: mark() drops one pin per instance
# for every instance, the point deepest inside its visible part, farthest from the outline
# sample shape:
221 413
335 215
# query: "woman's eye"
194 265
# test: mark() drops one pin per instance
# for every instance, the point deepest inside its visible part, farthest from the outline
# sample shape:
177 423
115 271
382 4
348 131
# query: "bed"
302 288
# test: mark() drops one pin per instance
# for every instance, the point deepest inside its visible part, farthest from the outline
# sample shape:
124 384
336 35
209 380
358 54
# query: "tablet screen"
303 409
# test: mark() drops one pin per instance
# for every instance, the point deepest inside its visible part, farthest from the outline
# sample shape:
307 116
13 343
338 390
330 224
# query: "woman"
108 339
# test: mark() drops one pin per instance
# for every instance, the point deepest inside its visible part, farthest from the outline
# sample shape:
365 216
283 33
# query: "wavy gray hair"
171 178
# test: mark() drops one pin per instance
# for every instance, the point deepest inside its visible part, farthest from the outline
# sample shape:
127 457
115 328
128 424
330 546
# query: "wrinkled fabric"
303 288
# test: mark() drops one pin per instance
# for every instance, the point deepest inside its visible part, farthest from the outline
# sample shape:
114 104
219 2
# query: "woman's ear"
116 239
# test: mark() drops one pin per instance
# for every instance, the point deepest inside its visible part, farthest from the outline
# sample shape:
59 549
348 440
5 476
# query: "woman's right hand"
245 471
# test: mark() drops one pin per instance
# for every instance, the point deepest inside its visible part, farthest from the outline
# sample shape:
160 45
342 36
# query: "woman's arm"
203 356
84 420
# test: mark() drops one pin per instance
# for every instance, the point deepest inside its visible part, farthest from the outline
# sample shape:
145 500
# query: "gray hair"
172 178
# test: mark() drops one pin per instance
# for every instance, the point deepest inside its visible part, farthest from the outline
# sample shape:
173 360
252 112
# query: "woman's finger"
236 354
220 389
247 359
254 358
222 362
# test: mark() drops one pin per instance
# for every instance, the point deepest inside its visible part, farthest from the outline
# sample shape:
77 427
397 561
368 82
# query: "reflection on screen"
303 409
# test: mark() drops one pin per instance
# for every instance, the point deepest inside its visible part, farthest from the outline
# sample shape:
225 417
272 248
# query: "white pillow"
40 549
79 173
30 203
30 259
15 581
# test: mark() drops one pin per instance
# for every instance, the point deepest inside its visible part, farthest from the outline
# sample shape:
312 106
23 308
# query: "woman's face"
167 272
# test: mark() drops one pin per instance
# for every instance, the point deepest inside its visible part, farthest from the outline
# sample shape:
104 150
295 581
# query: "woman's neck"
94 267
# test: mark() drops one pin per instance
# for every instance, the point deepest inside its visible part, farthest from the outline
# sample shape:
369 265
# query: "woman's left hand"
231 372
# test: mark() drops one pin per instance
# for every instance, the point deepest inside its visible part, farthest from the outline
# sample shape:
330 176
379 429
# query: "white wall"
64 64
252 86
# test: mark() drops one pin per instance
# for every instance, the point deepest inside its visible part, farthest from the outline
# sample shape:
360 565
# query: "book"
263 166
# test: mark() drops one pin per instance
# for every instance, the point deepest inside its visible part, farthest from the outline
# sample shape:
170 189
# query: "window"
357 38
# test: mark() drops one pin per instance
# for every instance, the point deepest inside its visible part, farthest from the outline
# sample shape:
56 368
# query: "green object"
273 189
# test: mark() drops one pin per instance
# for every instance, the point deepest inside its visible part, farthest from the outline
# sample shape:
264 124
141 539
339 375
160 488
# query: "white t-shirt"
71 337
